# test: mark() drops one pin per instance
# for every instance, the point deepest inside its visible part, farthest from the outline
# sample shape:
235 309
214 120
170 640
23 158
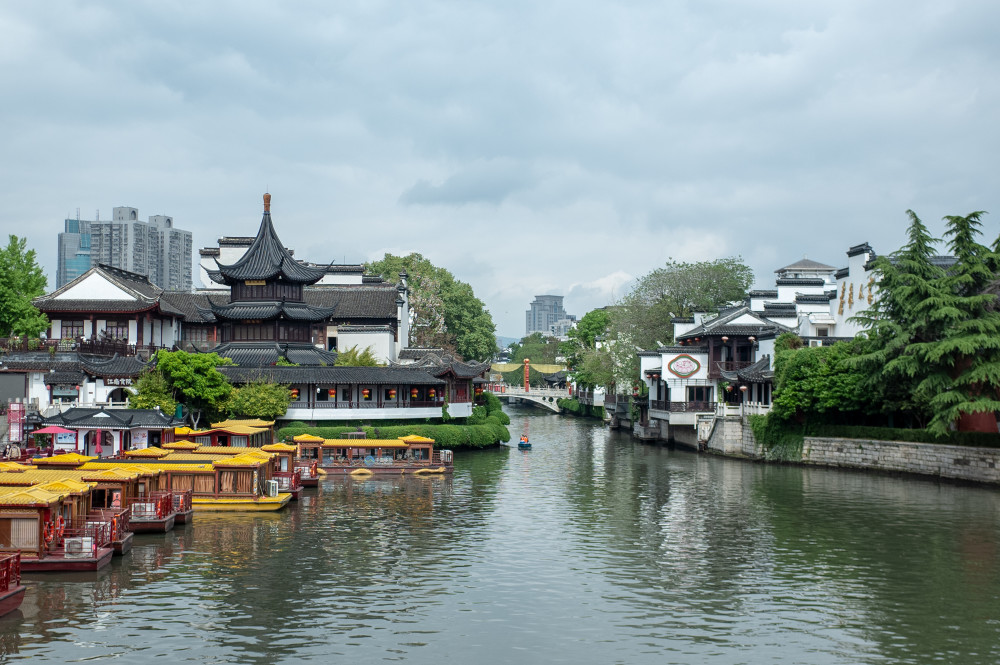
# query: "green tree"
584 336
935 332
259 399
353 358
21 279
195 381
965 359
445 312
678 289
152 390
537 348
816 383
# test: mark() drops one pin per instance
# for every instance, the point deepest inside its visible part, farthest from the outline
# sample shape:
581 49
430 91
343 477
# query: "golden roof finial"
267 202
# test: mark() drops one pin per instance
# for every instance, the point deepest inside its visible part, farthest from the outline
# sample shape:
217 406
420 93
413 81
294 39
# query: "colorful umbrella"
54 429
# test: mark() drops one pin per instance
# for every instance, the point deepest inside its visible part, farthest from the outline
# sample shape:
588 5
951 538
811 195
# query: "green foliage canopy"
21 279
259 399
195 381
445 312
152 390
352 357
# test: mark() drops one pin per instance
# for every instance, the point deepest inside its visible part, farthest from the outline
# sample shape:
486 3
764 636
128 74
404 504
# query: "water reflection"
588 548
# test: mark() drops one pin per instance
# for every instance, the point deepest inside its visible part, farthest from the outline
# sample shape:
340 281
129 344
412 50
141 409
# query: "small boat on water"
524 444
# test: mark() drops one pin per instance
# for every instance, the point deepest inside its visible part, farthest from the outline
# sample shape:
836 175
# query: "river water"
590 548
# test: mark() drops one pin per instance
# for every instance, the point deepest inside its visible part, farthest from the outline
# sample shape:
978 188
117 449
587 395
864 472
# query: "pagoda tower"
266 318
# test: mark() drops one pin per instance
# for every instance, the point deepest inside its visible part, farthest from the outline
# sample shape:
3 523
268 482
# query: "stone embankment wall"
929 459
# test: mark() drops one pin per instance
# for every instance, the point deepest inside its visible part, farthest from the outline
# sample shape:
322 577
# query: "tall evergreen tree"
965 360
911 291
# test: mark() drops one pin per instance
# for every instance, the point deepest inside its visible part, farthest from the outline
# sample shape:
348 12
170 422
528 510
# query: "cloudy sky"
529 147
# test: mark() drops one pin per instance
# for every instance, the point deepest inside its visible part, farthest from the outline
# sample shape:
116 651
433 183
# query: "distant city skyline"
153 248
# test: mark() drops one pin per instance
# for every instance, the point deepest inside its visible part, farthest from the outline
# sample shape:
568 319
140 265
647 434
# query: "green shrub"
781 440
445 436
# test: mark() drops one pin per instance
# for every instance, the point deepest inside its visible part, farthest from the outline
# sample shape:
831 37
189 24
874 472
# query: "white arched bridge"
543 397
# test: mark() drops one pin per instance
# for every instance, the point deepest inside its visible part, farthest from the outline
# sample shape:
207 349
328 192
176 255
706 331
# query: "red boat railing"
120 521
10 571
156 506
182 500
288 480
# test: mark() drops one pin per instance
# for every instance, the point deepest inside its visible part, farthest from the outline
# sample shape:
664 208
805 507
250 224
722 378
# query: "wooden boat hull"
183 517
52 564
123 546
11 599
153 526
387 470
264 503
524 446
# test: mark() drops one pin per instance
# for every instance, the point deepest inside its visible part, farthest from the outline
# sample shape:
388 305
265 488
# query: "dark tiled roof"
114 366
779 306
210 251
242 311
721 325
262 354
764 293
842 273
682 319
145 295
812 297
95 306
861 249
648 354
267 258
37 362
464 370
676 348
759 372
362 329
800 281
805 264
351 301
236 241
113 418
331 375
57 378
191 305
416 353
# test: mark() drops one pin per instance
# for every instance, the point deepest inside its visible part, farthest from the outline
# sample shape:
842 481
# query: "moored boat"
406 455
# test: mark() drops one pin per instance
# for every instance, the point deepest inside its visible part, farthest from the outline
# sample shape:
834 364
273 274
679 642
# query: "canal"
590 548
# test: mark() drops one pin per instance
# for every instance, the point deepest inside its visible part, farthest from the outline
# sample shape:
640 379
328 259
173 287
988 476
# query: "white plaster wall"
94 287
382 343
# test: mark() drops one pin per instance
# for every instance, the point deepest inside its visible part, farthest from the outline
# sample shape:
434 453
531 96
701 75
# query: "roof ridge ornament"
267 202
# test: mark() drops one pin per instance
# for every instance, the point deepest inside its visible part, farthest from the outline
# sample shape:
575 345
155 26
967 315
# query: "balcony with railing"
681 407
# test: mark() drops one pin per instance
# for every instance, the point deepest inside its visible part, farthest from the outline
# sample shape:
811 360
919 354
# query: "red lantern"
295 394
331 393
413 393
479 391
366 393
432 393
392 393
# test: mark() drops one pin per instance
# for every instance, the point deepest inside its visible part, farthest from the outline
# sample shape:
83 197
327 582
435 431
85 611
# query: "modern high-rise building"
153 248
547 316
